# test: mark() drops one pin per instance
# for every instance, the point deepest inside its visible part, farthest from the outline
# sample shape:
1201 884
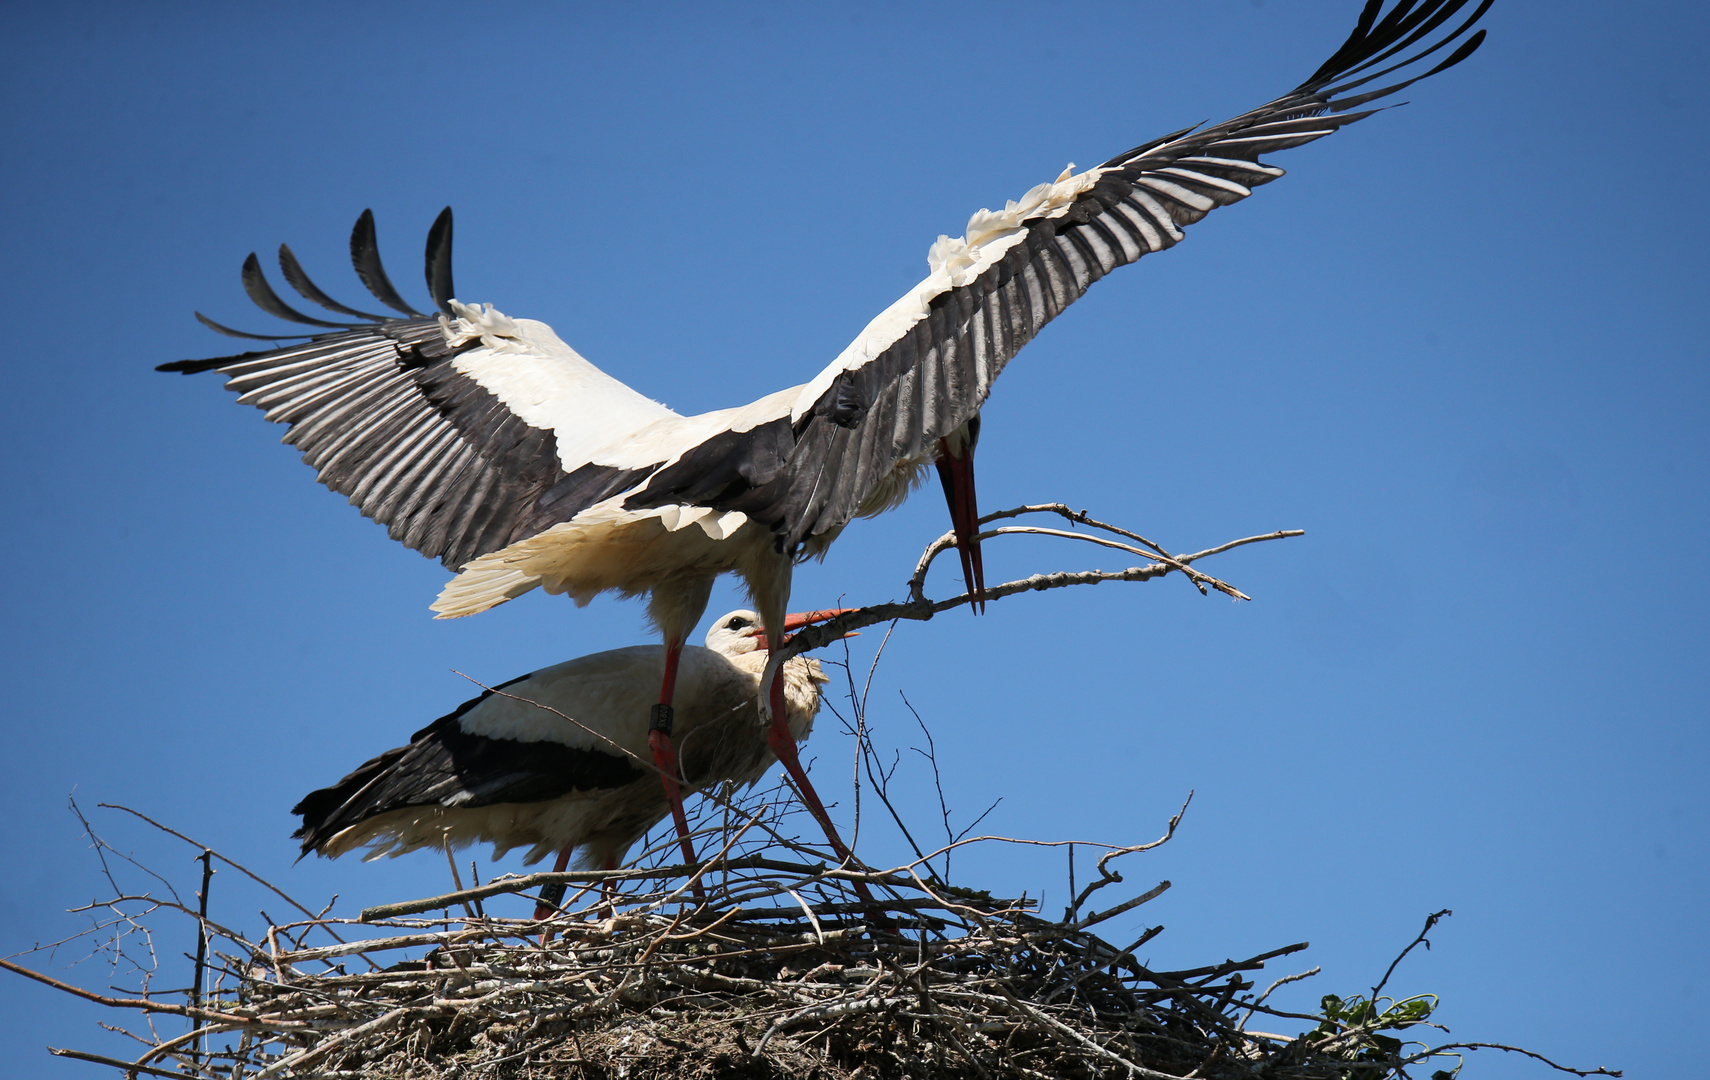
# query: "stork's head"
740 631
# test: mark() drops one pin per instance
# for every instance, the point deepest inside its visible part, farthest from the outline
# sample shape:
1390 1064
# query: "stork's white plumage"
488 443
503 769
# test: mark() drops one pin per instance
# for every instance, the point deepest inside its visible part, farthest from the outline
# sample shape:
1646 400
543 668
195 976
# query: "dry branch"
919 608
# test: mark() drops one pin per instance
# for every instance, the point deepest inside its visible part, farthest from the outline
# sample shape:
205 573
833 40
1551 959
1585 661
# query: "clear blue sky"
1462 344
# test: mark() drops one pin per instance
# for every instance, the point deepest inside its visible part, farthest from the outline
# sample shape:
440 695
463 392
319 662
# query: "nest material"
782 970
746 965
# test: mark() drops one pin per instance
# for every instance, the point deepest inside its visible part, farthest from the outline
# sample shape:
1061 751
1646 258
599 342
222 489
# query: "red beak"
957 476
797 620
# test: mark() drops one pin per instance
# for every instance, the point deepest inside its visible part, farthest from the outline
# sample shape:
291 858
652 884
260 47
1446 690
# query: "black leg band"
660 718
552 895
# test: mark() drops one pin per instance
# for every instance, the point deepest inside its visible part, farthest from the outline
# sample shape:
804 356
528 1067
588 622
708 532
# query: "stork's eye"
738 623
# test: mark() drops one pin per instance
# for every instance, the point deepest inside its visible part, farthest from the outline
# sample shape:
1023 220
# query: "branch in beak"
797 620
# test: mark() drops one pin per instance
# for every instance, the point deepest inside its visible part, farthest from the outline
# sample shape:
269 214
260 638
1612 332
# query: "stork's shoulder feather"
588 702
551 387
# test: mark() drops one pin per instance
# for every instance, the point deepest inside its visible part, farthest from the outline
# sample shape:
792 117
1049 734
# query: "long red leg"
664 754
552 895
956 475
783 746
778 736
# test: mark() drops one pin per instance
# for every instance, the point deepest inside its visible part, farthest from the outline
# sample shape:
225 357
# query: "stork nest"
927 981
779 967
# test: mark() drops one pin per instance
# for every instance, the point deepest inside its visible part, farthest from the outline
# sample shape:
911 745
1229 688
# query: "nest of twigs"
767 959
782 970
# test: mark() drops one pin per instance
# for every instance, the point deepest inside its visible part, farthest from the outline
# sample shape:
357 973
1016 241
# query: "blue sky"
1462 344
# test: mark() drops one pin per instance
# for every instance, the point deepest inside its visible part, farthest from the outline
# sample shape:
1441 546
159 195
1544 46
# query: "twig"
315 1053
1107 876
130 1067
206 858
1284 981
818 635
1438 1051
1127 905
1431 920
125 1003
252 875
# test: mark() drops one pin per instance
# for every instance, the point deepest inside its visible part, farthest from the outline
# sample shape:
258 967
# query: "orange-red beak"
797 620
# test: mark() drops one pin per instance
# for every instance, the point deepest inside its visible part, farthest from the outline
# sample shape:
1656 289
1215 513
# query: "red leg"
551 896
783 746
664 754
610 887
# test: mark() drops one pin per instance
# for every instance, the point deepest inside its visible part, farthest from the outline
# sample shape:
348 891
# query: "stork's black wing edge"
365 257
811 477
447 766
439 262
385 417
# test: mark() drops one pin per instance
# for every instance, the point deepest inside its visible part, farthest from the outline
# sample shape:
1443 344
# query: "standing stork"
490 444
549 761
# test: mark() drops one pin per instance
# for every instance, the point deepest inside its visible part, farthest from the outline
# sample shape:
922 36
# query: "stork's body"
502 769
488 443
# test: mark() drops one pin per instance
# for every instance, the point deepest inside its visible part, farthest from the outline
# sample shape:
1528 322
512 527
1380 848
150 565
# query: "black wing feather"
936 375
255 284
446 766
439 262
220 328
365 257
308 290
382 415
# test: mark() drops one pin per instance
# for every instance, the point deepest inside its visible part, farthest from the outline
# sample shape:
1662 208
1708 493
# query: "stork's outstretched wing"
445 434
927 363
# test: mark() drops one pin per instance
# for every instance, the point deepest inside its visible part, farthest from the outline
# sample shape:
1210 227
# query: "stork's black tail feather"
324 811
